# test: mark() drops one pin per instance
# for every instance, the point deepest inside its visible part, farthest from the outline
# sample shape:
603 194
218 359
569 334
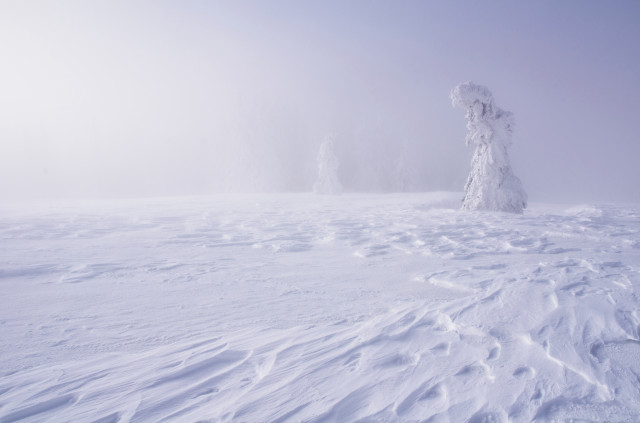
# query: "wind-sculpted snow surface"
491 184
298 308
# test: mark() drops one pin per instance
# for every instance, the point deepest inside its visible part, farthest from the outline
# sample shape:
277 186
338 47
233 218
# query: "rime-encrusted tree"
327 182
402 173
491 185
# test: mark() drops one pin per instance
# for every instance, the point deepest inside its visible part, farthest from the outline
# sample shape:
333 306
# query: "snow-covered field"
303 308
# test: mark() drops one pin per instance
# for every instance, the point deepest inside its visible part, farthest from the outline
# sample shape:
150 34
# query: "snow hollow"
304 308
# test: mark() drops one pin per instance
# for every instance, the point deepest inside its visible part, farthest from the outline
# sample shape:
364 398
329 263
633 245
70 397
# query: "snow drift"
305 308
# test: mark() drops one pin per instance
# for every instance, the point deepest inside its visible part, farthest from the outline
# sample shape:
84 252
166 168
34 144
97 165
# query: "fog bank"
122 99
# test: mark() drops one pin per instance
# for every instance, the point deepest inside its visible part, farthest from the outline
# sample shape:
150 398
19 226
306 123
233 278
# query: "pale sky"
137 98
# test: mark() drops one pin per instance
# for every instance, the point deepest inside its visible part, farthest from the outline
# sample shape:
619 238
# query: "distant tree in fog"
403 174
491 185
327 182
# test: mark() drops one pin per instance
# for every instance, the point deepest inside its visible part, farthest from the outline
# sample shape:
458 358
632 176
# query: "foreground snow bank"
305 308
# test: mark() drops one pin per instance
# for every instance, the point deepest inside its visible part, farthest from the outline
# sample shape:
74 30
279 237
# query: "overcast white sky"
137 98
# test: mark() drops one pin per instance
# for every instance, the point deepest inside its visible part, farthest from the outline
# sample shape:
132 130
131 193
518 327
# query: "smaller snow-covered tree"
403 175
327 182
491 184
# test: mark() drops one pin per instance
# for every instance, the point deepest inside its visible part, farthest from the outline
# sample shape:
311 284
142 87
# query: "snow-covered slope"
291 308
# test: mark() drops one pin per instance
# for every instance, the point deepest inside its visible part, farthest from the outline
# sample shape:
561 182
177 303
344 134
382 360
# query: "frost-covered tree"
404 177
327 182
491 185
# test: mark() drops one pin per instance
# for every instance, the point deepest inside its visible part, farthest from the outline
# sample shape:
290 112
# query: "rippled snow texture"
298 308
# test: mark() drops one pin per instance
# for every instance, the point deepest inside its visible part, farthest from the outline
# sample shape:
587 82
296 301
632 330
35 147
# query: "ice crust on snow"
305 308
491 184
328 181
